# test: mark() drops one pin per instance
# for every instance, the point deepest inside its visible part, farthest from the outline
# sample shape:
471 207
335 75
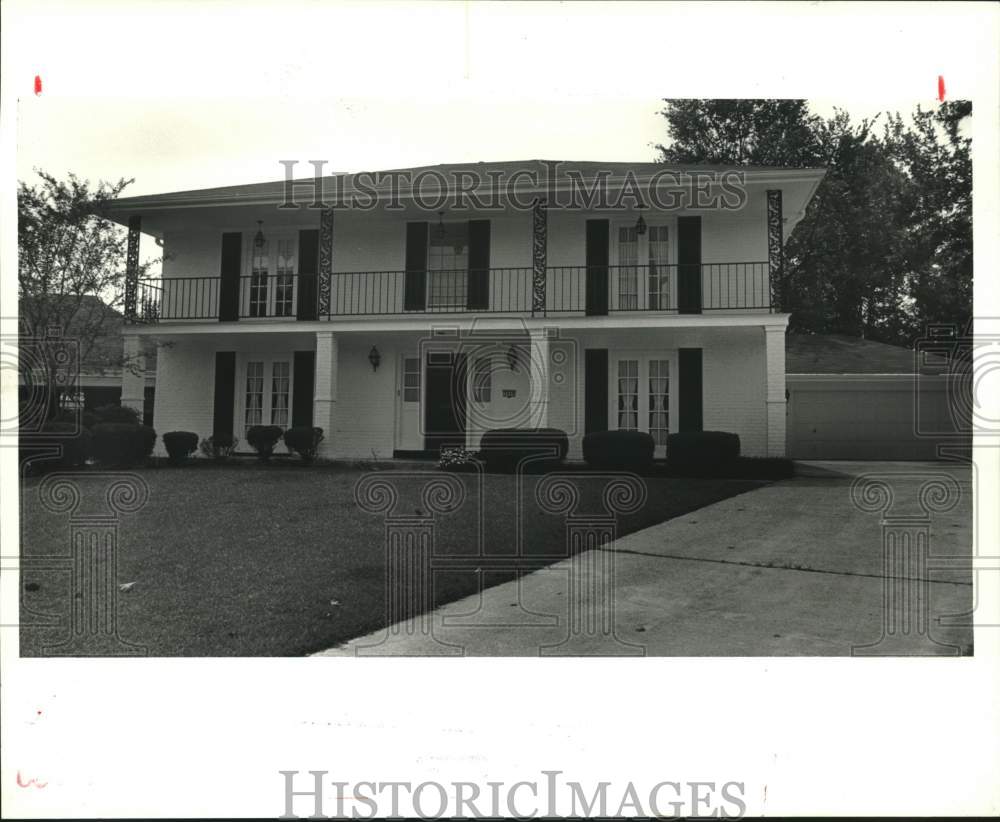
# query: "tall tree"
935 156
71 279
885 244
742 132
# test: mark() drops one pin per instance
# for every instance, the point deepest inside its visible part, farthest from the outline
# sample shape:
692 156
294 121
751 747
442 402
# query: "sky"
181 96
167 146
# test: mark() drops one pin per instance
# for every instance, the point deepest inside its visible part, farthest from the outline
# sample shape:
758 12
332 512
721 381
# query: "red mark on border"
941 88
38 84
29 783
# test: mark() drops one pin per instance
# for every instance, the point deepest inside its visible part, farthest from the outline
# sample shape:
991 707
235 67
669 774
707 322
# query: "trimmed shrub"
122 443
221 450
504 448
117 413
86 417
262 439
304 441
619 450
456 458
180 445
75 443
702 451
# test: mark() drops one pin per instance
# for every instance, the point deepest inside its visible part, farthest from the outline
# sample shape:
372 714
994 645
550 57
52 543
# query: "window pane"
628 272
482 380
659 282
280 384
259 269
447 264
254 396
411 379
628 395
659 396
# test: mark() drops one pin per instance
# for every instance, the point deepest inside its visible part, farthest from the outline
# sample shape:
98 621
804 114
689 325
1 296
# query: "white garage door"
867 417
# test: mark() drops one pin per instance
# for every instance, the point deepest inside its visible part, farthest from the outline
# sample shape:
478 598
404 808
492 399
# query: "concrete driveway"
817 565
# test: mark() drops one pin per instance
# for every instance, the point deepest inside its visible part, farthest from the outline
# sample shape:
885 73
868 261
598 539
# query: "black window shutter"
598 232
308 273
595 390
689 362
229 276
225 395
478 294
303 378
415 289
689 265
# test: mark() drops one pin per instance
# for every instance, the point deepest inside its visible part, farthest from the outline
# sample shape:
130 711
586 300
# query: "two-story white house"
404 310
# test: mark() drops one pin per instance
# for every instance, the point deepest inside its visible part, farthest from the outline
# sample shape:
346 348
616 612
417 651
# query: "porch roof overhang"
523 180
466 325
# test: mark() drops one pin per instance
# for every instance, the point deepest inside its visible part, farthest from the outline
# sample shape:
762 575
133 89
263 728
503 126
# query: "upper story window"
272 278
643 273
447 265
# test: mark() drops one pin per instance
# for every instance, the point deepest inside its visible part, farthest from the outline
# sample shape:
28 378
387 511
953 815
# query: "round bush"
702 451
180 444
619 450
122 443
504 448
304 441
117 413
86 417
263 438
218 448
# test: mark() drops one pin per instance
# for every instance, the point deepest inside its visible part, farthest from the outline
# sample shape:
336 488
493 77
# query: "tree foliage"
886 243
71 279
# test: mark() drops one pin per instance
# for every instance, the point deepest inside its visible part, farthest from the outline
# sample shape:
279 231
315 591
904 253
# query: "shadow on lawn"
252 561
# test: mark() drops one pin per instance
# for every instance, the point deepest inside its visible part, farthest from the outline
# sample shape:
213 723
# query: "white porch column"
325 390
774 357
538 401
133 373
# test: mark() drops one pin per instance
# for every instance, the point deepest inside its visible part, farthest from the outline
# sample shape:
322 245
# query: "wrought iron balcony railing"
740 286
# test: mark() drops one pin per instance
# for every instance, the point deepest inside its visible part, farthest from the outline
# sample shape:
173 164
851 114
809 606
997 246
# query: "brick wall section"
775 380
743 383
185 380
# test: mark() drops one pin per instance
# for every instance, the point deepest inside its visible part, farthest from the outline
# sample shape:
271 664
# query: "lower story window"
640 395
267 393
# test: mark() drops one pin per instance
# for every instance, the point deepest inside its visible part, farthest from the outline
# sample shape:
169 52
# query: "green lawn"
245 560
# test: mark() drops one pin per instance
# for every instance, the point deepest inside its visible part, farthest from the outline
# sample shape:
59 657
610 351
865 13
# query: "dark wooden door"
444 401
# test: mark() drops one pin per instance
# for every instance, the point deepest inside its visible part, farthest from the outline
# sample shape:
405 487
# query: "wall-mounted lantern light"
374 358
258 238
440 232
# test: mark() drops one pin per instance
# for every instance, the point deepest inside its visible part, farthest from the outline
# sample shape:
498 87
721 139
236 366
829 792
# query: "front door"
444 400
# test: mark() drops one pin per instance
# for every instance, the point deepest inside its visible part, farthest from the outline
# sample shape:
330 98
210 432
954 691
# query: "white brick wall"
740 373
734 390
185 389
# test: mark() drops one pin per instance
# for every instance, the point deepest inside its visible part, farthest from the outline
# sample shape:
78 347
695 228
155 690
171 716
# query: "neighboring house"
400 329
851 398
94 377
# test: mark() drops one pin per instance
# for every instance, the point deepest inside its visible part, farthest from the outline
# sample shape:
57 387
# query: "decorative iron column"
325 261
906 548
132 268
409 549
775 243
589 537
92 561
539 254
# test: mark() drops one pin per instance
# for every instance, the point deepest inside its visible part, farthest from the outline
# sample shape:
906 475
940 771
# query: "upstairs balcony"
566 290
